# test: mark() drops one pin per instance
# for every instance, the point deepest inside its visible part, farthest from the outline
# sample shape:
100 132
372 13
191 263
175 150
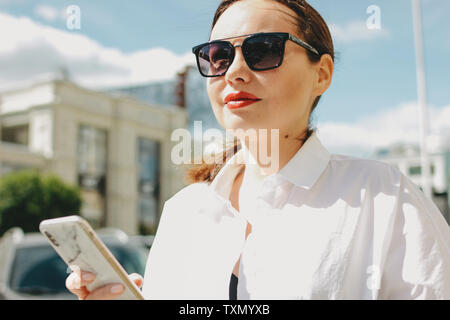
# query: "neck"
265 156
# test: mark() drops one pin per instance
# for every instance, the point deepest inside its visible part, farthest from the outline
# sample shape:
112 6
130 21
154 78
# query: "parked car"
31 269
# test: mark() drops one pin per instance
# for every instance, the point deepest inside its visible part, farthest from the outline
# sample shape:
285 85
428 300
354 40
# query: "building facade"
187 90
407 159
116 148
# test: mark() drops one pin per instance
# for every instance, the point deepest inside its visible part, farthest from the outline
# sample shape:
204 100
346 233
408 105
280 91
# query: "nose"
238 70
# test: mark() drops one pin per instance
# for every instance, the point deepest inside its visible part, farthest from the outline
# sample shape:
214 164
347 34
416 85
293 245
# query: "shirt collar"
307 165
303 169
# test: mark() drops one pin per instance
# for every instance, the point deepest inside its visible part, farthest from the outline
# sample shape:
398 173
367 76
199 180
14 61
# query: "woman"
312 225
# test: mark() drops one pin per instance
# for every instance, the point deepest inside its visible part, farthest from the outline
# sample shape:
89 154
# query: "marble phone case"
78 245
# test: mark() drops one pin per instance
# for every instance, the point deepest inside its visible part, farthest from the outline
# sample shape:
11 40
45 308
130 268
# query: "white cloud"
49 13
356 31
397 125
32 50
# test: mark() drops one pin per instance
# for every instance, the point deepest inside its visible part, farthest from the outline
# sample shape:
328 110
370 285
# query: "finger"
73 282
107 292
79 279
76 282
137 279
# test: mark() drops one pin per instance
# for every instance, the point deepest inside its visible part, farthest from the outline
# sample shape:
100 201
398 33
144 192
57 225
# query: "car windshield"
39 270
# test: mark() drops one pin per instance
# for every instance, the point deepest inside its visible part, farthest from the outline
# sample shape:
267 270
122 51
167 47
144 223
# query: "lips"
240 99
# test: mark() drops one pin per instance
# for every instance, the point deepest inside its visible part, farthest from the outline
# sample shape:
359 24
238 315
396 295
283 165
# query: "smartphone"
79 246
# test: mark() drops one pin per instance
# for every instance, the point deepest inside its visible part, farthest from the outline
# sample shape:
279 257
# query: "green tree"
28 197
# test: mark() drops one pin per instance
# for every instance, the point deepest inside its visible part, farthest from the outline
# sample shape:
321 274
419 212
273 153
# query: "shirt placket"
274 192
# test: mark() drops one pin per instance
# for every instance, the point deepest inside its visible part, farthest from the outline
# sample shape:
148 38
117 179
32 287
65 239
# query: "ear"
324 71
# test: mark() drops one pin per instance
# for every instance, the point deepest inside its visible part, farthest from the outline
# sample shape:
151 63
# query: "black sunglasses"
262 51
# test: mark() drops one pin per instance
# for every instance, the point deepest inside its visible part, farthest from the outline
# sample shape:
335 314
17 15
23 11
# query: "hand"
76 283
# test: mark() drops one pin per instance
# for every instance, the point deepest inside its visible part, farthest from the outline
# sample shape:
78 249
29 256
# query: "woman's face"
286 92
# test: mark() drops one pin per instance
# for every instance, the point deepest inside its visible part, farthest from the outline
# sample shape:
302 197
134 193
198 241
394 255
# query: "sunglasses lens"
264 51
215 58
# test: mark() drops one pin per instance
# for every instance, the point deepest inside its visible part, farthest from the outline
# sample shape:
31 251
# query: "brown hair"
312 29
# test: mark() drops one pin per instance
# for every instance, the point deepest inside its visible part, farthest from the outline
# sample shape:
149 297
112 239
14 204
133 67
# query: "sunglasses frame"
285 36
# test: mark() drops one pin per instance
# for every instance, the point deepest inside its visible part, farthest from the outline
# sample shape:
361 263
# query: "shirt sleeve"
417 264
162 276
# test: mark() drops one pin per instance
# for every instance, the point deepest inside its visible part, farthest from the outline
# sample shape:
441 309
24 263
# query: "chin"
232 120
243 128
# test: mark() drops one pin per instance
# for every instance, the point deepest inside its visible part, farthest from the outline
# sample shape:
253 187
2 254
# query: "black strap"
233 287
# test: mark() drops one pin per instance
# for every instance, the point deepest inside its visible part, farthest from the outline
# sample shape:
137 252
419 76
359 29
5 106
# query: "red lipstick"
240 99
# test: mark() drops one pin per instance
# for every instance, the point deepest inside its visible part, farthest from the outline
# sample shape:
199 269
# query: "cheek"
289 93
209 90
294 86
214 90
286 89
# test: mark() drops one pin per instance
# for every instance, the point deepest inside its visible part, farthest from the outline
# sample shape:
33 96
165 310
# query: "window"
417 170
148 184
92 166
16 134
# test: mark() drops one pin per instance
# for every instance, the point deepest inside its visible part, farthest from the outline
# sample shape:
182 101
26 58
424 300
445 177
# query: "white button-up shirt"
325 226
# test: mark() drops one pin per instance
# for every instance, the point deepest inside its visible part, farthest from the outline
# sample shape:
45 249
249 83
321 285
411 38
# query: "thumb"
137 279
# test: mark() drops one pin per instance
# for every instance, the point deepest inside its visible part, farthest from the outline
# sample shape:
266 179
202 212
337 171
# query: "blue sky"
374 71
